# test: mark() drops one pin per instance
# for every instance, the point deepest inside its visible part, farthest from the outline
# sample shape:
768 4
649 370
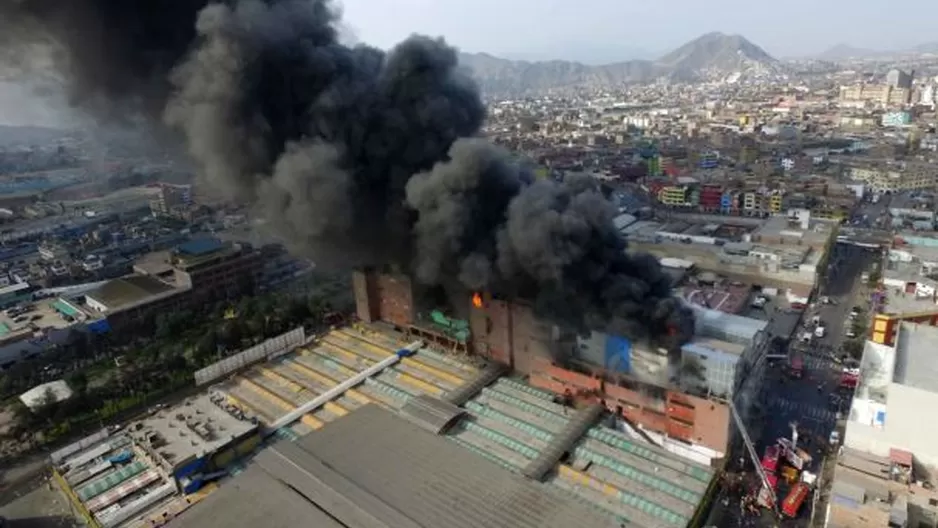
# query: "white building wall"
906 426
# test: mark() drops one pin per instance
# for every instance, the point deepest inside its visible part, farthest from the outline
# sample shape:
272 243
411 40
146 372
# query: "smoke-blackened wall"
356 155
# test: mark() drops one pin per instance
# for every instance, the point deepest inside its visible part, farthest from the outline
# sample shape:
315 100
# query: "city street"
811 402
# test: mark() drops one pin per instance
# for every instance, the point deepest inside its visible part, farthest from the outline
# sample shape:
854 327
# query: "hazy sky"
598 31
609 30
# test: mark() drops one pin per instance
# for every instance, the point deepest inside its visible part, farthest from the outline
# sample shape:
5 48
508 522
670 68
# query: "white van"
820 331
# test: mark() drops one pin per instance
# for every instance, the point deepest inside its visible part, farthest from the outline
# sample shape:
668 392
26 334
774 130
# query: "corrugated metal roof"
428 479
461 395
431 414
735 328
254 498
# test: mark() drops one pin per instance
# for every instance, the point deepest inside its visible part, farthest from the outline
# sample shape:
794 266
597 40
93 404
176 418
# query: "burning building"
369 158
511 333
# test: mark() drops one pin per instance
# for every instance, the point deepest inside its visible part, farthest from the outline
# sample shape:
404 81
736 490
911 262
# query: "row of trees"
111 379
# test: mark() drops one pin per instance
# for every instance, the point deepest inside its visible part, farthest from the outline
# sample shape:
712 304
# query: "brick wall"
508 332
395 299
678 415
383 297
491 330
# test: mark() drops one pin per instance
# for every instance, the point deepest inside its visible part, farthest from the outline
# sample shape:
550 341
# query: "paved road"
809 402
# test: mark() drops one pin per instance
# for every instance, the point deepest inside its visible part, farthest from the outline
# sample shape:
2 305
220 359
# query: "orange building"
885 327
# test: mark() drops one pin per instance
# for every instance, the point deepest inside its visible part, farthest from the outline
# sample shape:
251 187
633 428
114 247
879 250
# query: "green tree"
853 348
78 381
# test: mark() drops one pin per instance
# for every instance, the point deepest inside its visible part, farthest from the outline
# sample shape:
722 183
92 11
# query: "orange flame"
477 300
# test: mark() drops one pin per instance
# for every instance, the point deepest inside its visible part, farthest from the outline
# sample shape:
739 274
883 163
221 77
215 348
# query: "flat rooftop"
817 234
155 263
45 313
192 428
864 495
916 362
130 290
900 302
727 298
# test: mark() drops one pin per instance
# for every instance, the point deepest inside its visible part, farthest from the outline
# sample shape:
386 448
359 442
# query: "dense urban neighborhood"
737 327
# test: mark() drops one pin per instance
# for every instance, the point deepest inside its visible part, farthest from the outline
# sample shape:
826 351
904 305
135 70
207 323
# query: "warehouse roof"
372 468
255 498
125 291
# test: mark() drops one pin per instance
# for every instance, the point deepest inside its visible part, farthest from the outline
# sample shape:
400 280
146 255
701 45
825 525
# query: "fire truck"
796 366
792 502
849 378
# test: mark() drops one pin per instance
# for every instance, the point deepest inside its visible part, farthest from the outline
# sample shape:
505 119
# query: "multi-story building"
171 200
214 269
279 268
897 78
775 202
711 198
193 274
893 178
673 195
896 383
729 202
632 380
879 94
909 288
896 119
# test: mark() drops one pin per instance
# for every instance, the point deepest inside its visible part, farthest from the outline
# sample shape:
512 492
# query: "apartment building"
894 178
171 200
879 94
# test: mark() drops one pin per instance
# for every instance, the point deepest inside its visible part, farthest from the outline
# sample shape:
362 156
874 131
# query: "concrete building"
897 385
870 491
42 323
909 289
897 78
894 178
171 200
191 274
896 119
782 252
157 466
884 472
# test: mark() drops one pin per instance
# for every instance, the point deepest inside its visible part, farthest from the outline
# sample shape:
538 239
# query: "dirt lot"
33 503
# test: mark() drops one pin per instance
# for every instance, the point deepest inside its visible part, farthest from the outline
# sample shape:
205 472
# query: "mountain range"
713 55
846 51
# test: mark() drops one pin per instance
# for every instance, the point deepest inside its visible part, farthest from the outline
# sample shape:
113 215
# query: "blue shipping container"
618 354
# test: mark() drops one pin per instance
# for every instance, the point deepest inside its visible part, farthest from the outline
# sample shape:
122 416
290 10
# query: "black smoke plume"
358 156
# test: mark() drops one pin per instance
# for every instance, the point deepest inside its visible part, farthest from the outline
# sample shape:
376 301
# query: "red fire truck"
795 498
770 459
849 378
796 366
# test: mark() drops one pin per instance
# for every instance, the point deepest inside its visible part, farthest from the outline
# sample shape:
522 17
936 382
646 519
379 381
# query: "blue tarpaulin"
99 327
618 354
